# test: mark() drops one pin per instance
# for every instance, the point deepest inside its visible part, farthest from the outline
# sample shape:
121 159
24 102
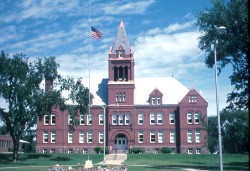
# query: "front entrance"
121 142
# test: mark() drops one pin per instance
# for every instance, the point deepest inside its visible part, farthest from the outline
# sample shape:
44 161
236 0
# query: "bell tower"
121 70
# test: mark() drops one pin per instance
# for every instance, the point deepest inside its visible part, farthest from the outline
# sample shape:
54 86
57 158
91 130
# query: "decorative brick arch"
121 132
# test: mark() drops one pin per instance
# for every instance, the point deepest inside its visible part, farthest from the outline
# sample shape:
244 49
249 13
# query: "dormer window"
155 97
121 54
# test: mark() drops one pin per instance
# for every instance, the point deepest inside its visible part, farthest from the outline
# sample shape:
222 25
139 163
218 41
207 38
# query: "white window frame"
89 135
89 119
198 151
82 120
52 151
81 137
101 119
153 102
140 118
158 100
159 118
70 151
45 137
189 136
190 151
53 137
46 119
152 140
197 136
53 121
70 137
197 118
127 119
160 137
172 136
171 118
101 137
45 151
140 133
121 119
152 118
189 118
70 120
114 119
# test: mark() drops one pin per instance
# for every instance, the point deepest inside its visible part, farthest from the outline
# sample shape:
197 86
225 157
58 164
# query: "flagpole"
89 73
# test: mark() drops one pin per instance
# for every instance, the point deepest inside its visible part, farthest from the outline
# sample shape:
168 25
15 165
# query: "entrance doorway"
121 142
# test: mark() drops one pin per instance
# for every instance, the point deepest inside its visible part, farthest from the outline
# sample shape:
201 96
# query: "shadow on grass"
241 166
61 159
7 158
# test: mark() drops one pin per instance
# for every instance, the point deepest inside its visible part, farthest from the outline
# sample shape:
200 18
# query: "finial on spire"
121 24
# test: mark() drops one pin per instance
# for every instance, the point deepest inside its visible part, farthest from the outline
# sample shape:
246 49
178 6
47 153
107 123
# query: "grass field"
135 162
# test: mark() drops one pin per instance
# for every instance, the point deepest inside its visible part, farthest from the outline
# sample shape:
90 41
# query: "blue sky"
162 32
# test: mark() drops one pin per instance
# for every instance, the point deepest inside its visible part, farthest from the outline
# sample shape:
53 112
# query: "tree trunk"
16 141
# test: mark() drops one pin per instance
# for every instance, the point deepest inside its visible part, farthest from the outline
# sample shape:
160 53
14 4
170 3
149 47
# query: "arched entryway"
121 142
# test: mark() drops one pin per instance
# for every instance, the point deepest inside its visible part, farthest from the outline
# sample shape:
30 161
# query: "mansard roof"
121 40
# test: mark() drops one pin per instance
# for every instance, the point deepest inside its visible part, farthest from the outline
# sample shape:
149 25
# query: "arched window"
114 119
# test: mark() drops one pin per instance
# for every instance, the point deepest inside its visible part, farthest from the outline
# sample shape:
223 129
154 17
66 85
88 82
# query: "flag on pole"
95 33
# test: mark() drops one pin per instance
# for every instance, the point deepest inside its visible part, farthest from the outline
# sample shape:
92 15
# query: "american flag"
95 33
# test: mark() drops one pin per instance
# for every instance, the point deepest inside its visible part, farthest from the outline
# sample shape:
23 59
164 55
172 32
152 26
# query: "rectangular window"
190 151
196 118
197 136
81 137
172 136
126 119
53 137
123 97
53 119
70 120
159 118
120 119
198 151
45 150
189 136
152 119
153 101
46 120
101 118
70 150
189 118
160 137
140 137
89 119
70 137
140 119
152 137
90 137
53 151
45 137
158 100
171 118
82 120
101 137
114 119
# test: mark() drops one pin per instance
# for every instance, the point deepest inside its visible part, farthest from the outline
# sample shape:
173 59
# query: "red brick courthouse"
150 113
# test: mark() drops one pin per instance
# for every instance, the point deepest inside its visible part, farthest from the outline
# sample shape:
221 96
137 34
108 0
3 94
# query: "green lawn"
136 162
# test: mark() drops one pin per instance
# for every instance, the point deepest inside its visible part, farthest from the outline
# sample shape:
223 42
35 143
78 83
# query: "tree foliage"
21 88
232 47
234 130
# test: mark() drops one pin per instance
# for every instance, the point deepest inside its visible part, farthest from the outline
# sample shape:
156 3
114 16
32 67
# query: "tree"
235 131
20 86
232 47
212 133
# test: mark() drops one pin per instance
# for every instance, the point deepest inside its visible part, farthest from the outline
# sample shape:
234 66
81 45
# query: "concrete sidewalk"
115 159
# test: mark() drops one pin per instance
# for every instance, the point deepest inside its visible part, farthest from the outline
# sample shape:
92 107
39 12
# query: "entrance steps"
119 152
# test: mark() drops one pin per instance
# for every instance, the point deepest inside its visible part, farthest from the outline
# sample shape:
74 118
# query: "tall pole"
89 75
220 30
217 108
104 133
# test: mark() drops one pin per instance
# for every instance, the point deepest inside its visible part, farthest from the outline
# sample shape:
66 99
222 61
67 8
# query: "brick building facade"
150 113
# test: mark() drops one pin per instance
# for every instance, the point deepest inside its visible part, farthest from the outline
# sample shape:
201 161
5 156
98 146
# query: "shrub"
166 150
136 150
99 150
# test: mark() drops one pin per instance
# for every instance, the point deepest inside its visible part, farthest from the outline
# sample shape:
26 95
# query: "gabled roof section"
156 93
121 40
193 93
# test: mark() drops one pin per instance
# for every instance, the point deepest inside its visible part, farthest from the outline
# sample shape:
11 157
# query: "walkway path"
115 159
